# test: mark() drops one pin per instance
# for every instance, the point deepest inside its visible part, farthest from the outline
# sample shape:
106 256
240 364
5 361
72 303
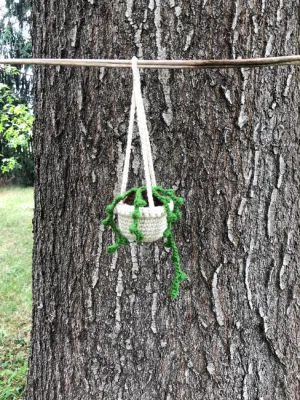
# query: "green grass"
16 211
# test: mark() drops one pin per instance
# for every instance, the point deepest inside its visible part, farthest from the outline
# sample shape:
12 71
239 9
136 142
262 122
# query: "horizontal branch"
180 64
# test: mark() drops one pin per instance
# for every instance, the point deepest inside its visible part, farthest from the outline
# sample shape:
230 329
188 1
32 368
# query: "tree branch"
161 64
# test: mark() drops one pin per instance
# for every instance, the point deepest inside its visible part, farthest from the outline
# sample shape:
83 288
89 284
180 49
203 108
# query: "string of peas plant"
165 196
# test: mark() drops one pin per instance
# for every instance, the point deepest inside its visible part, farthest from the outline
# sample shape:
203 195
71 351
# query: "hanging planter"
146 213
137 221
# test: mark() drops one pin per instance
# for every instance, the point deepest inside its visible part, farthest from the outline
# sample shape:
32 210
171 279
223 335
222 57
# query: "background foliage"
16 158
16 121
15 42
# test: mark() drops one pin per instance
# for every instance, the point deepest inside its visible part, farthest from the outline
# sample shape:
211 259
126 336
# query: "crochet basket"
152 222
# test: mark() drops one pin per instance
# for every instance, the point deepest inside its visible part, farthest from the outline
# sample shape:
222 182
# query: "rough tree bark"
228 140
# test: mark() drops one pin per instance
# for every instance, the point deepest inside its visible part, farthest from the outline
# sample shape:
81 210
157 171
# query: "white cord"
140 107
128 148
137 102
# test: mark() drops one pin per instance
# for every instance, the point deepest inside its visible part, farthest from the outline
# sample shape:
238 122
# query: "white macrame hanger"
138 105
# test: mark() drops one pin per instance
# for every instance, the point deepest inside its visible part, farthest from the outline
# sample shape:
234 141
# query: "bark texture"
228 140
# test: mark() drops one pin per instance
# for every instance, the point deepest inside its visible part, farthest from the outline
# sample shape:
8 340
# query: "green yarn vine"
165 196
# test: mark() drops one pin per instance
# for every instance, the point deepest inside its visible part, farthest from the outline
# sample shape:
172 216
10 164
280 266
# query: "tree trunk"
104 327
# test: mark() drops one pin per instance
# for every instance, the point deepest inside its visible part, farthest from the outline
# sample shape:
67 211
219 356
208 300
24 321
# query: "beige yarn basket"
152 222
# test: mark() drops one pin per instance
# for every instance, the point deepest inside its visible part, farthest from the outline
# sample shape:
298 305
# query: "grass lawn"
16 212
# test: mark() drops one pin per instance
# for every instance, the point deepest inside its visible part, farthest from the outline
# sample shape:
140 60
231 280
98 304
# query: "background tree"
15 42
16 159
104 327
